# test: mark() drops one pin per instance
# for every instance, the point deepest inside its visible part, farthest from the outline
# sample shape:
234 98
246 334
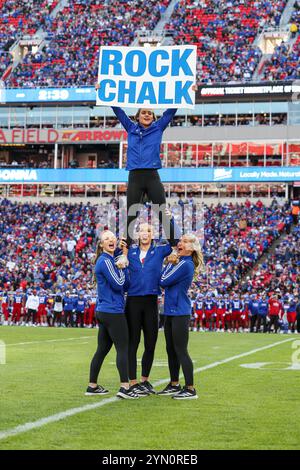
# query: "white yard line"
49 341
73 411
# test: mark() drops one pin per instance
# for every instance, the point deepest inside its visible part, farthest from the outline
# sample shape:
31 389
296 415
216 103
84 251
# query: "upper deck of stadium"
52 43
247 111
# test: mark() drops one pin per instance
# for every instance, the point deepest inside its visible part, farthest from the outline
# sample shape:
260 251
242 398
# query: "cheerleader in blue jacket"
111 285
176 279
145 265
143 160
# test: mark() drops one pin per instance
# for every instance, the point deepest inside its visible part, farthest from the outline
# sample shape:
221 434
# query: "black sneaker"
96 391
127 393
147 387
186 394
170 389
140 390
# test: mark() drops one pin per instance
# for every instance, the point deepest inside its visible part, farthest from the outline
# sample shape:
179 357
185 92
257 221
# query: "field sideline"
238 408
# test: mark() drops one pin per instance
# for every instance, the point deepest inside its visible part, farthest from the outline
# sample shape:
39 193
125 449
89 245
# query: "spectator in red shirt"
275 310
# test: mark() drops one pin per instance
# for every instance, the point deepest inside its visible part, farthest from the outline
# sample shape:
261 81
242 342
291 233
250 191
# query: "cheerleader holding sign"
143 158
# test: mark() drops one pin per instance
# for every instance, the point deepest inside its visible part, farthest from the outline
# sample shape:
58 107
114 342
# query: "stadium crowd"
284 63
224 32
22 17
280 272
47 251
5 61
75 35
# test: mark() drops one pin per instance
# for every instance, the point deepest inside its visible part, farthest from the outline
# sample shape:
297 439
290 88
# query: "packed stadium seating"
224 32
5 61
59 256
75 35
21 17
236 236
281 271
284 63
40 256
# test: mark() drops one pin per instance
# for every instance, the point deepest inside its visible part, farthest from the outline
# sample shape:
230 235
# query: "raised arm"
166 118
126 122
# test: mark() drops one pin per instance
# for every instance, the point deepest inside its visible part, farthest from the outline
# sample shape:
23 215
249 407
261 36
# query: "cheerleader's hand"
194 87
123 246
97 86
122 262
173 258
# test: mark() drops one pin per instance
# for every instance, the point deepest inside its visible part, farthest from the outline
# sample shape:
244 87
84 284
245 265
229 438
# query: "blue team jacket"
144 143
145 278
253 306
69 304
80 305
263 308
176 280
111 285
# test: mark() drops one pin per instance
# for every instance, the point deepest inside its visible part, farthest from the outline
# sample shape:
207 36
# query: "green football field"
42 402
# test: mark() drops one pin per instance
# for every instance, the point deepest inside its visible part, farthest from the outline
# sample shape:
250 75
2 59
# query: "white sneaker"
5 323
289 332
222 331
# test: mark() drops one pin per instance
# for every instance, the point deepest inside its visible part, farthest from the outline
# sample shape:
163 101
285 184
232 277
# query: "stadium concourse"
225 33
47 251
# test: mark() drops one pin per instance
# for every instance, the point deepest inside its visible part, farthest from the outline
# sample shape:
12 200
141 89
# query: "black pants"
112 330
273 321
298 322
31 315
177 336
57 317
142 315
141 182
262 319
79 319
253 320
69 318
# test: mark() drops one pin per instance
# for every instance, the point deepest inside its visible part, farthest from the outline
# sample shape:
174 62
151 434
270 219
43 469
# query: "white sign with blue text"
136 77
